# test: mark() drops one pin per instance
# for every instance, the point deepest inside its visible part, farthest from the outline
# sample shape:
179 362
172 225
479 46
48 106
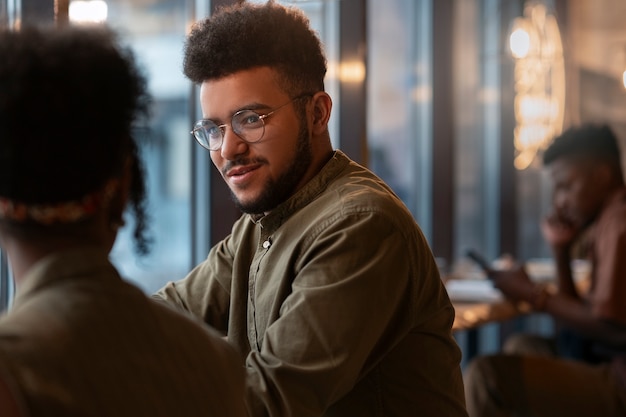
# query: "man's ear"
322 106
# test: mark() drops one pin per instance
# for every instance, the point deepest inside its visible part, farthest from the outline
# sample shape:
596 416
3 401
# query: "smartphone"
480 260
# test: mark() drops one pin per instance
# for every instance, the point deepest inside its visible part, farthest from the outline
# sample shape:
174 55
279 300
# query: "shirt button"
267 244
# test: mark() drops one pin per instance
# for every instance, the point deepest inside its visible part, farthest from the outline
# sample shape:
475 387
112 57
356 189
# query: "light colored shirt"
79 341
336 301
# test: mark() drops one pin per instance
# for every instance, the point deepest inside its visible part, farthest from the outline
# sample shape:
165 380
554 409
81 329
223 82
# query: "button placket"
253 331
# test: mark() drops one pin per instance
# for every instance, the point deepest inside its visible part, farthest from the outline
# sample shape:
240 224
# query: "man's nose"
232 145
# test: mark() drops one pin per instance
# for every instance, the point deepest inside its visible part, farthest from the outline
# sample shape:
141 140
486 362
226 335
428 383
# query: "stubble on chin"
279 190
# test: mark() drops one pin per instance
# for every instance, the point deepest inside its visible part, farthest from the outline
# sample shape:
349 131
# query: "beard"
280 189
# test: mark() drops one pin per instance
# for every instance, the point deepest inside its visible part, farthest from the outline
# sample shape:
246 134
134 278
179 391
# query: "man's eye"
214 132
250 120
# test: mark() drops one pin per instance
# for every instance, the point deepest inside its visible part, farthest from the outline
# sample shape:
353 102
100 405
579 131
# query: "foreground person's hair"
70 100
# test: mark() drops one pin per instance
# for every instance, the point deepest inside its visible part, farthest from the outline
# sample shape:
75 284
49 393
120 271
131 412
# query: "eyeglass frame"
198 125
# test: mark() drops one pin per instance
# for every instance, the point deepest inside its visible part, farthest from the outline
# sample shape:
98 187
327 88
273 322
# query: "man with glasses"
326 285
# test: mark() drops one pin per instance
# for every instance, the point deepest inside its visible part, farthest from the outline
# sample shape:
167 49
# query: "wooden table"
476 302
470 315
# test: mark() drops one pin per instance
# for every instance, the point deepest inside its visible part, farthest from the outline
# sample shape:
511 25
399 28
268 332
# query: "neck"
24 250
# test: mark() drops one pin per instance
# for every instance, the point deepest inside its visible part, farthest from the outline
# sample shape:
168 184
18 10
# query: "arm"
205 291
597 317
575 312
515 283
560 235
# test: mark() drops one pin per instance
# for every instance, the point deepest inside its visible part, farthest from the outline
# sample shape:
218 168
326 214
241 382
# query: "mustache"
242 162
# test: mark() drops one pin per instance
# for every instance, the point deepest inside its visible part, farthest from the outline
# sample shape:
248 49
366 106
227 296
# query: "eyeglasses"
247 124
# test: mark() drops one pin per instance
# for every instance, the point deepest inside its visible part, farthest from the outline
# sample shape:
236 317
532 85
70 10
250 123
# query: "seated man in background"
326 283
529 378
78 339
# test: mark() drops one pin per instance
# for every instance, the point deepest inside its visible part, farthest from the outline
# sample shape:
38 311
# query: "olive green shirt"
336 301
79 341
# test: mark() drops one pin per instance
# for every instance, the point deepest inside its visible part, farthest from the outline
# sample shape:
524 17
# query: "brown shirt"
336 301
79 341
608 253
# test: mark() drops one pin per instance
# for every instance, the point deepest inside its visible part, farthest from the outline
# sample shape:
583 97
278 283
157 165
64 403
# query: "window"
399 104
477 126
6 283
156 32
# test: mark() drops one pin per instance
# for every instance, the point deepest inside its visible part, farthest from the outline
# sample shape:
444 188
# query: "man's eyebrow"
251 106
254 106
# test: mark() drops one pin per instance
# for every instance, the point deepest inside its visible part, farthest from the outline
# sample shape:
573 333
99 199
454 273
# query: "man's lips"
241 170
241 175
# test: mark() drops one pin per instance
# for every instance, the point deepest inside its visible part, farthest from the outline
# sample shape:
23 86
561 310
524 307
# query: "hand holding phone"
480 260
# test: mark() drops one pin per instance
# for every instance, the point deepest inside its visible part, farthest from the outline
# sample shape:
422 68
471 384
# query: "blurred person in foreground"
532 377
78 339
326 284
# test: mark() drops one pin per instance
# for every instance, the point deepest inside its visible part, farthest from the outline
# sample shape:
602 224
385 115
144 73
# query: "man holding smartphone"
589 211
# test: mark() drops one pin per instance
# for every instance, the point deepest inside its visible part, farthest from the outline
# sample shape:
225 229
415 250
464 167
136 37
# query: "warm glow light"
89 11
536 109
523 160
352 72
346 71
519 41
535 43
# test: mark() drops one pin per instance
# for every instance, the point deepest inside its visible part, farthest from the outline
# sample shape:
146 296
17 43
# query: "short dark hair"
246 36
588 140
69 101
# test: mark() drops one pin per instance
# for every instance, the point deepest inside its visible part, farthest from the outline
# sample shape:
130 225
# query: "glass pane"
7 285
9 14
477 97
156 32
400 100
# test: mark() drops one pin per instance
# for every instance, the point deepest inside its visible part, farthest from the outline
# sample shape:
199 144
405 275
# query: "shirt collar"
305 195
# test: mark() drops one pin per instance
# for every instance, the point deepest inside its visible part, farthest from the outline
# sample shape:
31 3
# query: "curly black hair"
588 140
246 36
69 104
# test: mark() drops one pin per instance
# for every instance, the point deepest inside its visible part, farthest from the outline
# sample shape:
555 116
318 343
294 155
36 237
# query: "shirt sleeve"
205 291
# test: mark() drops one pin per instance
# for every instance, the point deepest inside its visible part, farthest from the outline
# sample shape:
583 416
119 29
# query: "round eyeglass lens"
248 125
208 134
